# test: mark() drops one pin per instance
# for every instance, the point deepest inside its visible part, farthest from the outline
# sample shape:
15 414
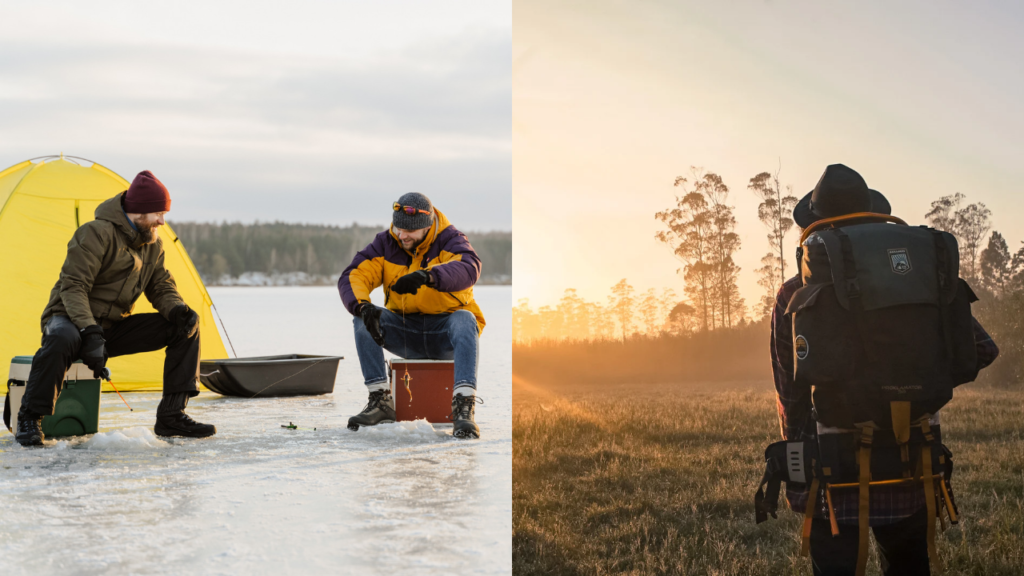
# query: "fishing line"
291 376
405 344
214 306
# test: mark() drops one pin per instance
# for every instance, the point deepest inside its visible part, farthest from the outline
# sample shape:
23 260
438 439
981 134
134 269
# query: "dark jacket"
106 270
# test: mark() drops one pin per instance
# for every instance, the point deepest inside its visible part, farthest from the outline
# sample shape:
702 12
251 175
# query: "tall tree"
669 299
649 309
775 213
725 240
768 277
997 266
622 304
968 223
702 234
974 224
690 235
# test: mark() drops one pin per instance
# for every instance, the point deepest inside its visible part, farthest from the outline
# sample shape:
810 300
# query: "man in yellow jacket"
428 270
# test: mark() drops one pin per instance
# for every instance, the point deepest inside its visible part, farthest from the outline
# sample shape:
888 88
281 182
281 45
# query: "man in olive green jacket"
112 261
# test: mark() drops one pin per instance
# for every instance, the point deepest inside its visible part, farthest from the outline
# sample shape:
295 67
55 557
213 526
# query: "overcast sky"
302 111
615 98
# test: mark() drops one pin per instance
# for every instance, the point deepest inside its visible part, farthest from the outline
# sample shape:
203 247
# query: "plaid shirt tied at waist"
888 504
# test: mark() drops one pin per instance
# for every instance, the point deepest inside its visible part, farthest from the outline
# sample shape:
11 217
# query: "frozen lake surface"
403 498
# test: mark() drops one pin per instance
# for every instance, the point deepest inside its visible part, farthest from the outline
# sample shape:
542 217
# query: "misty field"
659 479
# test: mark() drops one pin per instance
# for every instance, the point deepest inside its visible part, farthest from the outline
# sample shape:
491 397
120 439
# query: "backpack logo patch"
899 260
802 348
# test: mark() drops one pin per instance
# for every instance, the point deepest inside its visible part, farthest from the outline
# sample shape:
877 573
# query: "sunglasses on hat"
410 210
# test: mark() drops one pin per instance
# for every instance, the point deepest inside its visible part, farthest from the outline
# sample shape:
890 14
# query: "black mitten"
410 283
371 319
93 351
185 320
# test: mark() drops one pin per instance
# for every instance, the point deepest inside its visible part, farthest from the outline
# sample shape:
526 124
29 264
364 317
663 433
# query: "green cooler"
77 410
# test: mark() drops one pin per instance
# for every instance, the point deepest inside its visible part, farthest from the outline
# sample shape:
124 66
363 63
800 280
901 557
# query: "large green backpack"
882 333
882 317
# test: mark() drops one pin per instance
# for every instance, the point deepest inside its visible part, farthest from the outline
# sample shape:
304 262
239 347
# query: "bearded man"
428 269
111 261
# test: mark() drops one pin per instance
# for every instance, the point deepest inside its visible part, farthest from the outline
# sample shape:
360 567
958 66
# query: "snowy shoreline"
261 279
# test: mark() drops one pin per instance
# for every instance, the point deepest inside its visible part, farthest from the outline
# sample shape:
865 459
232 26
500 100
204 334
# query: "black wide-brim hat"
840 191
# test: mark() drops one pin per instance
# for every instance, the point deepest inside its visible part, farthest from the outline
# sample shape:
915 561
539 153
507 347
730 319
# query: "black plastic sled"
270 376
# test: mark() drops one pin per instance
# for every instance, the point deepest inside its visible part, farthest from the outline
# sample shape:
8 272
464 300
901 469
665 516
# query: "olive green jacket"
106 271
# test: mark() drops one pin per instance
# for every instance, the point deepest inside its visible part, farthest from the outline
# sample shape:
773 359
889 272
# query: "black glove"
185 320
410 283
93 351
371 319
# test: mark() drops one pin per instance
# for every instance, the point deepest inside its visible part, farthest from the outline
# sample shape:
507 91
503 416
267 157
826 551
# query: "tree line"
222 251
699 227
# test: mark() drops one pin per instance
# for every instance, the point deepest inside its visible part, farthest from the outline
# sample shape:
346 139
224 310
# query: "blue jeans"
452 336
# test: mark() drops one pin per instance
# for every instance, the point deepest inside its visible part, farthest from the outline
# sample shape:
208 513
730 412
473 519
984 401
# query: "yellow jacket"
445 252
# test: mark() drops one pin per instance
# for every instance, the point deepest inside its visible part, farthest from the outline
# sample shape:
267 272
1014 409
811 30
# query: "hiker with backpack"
868 342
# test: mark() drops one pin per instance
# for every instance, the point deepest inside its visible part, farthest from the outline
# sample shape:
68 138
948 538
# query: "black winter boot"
463 409
171 419
30 428
380 409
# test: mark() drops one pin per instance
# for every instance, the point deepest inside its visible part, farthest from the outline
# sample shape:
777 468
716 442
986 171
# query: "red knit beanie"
147 194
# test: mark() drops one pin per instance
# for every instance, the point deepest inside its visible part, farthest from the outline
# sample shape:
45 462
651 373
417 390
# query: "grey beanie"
413 221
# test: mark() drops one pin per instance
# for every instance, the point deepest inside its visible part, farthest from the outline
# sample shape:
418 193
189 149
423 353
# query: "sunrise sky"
613 99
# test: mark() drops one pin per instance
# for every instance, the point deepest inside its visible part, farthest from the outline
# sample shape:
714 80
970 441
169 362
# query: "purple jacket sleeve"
363 275
460 267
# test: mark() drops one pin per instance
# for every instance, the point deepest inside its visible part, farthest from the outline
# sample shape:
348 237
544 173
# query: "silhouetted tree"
997 266
775 212
622 304
702 234
968 223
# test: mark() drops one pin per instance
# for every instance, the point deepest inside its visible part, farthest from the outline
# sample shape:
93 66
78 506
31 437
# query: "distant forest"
283 253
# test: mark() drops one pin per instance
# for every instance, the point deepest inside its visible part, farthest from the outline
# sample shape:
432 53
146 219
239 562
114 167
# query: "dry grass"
660 479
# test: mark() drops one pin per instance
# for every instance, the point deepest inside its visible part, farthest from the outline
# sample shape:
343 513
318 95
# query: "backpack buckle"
852 288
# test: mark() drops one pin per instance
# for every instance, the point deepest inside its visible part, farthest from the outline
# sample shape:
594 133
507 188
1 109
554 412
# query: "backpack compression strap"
929 492
812 502
863 504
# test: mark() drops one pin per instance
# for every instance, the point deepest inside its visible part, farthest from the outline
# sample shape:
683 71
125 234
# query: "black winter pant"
902 546
135 334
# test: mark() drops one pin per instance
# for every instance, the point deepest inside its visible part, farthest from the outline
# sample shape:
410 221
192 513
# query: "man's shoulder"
97 225
451 238
383 245
788 288
93 230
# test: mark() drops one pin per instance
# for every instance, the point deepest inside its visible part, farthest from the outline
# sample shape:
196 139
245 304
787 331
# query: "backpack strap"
844 269
929 492
864 500
812 503
942 269
900 412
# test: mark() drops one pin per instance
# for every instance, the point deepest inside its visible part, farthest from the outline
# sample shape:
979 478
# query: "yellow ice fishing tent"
42 202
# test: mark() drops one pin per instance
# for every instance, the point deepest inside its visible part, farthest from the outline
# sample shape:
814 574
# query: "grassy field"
659 479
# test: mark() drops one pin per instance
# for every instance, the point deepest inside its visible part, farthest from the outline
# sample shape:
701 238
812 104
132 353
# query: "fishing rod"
106 376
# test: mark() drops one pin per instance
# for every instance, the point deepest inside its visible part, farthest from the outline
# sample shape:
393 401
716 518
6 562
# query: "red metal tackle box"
422 389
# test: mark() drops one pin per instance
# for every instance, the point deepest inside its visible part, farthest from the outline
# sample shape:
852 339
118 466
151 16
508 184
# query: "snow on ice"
403 498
